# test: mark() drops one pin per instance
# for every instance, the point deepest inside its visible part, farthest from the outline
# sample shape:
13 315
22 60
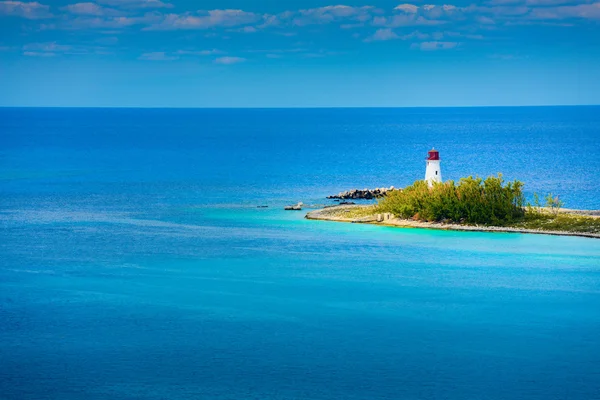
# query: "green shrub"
472 200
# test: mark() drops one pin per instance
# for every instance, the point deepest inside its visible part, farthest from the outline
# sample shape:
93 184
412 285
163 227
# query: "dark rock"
296 207
366 194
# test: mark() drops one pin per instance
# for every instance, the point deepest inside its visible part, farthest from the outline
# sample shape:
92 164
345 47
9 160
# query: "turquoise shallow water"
157 277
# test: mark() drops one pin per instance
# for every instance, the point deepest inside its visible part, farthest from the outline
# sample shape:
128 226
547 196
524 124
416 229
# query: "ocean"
136 264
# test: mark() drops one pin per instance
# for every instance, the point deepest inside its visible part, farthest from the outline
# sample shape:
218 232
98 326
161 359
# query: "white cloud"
416 35
388 34
229 60
352 26
407 8
334 11
504 2
270 21
432 46
498 11
485 20
536 3
581 11
82 22
51 49
329 14
248 29
205 20
157 56
452 34
382 35
443 12
533 11
198 52
279 51
399 20
150 15
90 9
47 47
32 10
135 3
413 15
38 54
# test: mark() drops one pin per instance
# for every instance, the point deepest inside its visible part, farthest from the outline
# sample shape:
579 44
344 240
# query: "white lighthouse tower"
433 173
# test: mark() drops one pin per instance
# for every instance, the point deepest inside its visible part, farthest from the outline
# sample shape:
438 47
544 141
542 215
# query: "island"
472 204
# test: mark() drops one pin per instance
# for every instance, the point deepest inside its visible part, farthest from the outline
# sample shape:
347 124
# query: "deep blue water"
134 263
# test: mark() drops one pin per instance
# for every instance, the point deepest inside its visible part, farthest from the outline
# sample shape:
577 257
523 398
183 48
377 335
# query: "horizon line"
301 107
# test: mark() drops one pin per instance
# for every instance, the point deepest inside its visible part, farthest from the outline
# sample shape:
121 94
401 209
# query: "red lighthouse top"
433 155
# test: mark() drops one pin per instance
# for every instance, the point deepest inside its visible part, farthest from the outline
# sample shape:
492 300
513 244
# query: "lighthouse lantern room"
433 173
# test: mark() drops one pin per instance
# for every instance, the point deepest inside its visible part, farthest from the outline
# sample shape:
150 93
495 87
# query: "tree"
553 203
472 200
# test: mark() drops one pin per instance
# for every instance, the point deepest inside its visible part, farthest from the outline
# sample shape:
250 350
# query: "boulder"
366 194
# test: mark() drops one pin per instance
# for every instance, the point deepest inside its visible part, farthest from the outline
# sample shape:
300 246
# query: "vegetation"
359 212
350 212
471 201
548 221
476 201
553 204
550 218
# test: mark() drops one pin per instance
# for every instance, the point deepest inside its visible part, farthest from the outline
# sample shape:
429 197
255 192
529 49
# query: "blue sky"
315 53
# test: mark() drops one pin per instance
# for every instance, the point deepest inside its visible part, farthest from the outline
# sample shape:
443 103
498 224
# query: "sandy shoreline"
332 214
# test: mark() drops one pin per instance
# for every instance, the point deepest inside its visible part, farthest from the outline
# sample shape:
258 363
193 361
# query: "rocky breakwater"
366 194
